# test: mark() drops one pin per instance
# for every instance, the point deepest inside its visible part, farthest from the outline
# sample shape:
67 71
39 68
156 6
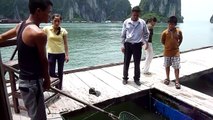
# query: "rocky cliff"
95 10
161 8
88 10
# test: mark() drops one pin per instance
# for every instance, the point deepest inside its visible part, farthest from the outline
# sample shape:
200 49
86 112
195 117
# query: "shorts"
172 61
32 94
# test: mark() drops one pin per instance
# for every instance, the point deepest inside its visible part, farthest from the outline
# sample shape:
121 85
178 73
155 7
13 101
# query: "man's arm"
163 38
40 43
180 38
123 36
8 34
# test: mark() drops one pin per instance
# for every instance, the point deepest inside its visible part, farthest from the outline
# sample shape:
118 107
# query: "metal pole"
5 111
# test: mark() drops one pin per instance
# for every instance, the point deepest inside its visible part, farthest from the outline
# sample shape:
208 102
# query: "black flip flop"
166 82
177 85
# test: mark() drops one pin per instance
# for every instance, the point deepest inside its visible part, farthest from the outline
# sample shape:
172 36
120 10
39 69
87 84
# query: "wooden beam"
8 43
5 112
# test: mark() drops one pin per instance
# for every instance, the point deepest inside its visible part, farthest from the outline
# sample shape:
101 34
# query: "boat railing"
11 71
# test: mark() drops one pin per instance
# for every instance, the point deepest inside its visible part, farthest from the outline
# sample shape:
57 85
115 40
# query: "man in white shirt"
134 35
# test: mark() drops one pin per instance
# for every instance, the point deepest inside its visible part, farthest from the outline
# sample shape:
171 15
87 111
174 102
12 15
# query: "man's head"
172 22
135 13
41 9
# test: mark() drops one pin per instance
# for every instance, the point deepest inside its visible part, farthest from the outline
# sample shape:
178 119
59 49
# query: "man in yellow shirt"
171 39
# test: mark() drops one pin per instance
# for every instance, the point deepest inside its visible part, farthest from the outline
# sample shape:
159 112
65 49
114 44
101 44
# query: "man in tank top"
31 42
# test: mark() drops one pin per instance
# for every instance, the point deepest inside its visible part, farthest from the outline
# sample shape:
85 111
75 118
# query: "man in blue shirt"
134 34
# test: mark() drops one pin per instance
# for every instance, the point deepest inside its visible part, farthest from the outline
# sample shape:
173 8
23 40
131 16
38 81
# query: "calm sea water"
97 43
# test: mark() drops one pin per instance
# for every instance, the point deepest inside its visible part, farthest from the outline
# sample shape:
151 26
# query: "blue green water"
97 43
140 111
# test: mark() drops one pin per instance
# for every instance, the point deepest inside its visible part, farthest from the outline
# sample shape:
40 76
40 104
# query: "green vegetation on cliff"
71 10
161 9
96 10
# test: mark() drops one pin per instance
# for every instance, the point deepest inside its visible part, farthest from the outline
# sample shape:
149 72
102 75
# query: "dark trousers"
52 59
135 50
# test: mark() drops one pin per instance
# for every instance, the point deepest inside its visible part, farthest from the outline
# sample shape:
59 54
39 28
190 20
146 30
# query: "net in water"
127 116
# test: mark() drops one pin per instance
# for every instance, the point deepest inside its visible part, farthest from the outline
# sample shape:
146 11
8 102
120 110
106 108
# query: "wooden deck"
108 80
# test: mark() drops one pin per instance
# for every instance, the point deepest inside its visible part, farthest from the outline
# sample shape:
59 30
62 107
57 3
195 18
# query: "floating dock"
108 80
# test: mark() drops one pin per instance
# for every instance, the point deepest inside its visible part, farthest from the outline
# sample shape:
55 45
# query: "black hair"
35 4
59 28
59 31
154 19
136 9
173 19
56 15
147 21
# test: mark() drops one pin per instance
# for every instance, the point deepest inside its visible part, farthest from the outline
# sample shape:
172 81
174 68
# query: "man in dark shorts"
31 42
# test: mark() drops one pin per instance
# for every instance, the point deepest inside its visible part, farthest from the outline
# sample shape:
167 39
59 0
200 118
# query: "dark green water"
95 43
137 110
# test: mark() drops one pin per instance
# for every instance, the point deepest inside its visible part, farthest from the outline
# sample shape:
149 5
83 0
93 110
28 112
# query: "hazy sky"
192 10
197 10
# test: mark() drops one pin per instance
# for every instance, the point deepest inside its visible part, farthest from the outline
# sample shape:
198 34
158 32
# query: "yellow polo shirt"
171 42
55 43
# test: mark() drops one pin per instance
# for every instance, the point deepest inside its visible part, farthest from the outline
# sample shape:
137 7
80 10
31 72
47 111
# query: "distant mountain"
13 9
162 9
211 19
95 10
71 10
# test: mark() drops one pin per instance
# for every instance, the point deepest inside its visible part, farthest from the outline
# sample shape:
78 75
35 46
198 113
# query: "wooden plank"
81 90
168 89
116 72
21 116
72 86
189 96
199 105
107 92
69 104
93 99
112 81
63 105
15 116
108 80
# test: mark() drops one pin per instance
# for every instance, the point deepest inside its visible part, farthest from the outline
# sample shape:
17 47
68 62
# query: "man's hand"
46 84
1 39
122 49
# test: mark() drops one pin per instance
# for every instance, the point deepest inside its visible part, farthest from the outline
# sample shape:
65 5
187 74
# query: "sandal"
166 81
94 92
177 85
